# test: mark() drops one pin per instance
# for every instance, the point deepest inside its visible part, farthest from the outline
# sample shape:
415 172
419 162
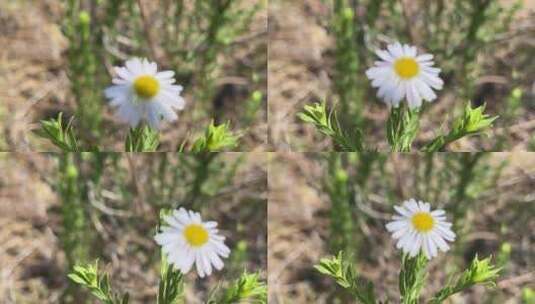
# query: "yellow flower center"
406 67
146 86
422 222
196 235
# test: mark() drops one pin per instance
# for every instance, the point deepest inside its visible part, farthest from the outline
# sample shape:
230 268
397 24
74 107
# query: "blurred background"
59 210
321 203
320 50
58 56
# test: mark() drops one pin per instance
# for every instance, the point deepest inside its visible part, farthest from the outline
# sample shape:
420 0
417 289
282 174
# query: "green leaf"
327 124
247 288
142 139
412 277
345 275
216 138
99 285
62 136
402 127
473 121
479 272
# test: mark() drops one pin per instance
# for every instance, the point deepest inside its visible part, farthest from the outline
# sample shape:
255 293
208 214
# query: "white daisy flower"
140 92
188 240
419 228
403 74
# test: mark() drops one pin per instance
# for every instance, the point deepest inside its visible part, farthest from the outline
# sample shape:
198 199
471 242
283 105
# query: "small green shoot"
327 124
216 138
343 272
99 285
62 136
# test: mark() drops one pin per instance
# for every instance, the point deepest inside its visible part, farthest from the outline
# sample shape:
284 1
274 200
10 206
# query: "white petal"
397 234
430 70
415 247
166 238
395 49
163 75
188 261
396 225
424 57
439 241
425 90
432 80
135 66
124 73
130 114
403 211
438 212
377 72
412 206
384 55
413 97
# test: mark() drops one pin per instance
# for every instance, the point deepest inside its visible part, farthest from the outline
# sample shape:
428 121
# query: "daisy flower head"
418 228
141 93
401 73
187 240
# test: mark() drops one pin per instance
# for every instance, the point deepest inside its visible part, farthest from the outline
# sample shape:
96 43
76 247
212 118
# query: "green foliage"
504 255
479 272
343 272
327 124
62 136
412 278
74 239
142 139
216 138
512 110
196 33
85 70
458 31
402 127
346 32
99 285
247 289
473 121
528 295
253 105
337 186
171 289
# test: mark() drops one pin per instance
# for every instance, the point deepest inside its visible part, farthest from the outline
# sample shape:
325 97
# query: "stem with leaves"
412 278
328 124
479 272
473 121
343 271
402 127
142 139
98 284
